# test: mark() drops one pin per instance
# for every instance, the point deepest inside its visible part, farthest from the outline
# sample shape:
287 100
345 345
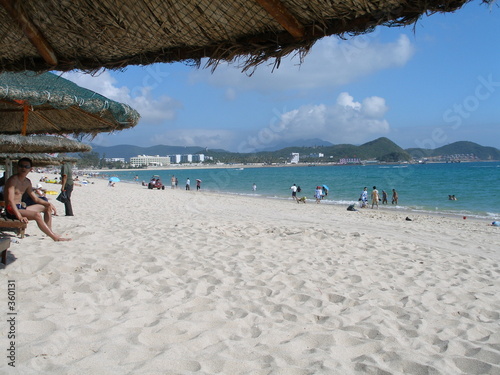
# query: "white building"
147 160
350 161
186 158
176 159
294 158
198 158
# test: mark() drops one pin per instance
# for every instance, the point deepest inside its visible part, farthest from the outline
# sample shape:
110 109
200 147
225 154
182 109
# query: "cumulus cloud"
331 62
346 121
153 110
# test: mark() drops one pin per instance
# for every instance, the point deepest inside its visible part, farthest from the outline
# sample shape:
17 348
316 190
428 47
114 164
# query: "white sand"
176 282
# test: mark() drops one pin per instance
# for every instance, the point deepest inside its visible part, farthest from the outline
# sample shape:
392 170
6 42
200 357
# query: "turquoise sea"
421 187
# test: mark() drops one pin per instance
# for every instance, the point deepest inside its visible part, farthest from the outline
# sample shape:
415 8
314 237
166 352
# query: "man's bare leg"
33 213
47 215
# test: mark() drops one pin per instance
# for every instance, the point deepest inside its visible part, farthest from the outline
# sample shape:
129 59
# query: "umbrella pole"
25 121
8 169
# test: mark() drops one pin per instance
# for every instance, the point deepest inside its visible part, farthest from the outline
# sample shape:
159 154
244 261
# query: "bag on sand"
62 197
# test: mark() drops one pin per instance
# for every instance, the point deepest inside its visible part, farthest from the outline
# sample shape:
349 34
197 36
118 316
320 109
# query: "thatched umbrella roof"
79 34
33 103
40 143
38 159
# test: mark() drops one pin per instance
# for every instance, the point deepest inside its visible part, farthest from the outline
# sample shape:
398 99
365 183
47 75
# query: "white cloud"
331 62
211 138
346 121
153 110
346 100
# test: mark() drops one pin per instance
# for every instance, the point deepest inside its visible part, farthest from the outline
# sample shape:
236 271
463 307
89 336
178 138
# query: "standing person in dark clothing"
394 196
384 197
67 186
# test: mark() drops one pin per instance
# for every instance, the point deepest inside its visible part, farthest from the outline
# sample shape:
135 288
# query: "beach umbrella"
60 35
114 179
45 103
15 145
40 143
38 159
326 187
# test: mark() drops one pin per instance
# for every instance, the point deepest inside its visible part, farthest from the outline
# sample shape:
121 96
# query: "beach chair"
11 225
4 246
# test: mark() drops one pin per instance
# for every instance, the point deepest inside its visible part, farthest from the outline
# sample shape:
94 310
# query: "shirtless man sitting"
15 187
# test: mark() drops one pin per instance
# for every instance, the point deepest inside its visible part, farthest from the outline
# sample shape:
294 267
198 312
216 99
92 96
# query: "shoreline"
342 204
174 167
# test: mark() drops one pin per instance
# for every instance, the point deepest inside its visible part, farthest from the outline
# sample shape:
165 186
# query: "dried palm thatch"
38 160
63 35
33 103
40 143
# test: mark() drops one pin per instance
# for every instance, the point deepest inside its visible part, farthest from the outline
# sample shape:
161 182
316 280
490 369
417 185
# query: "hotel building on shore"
160 161
147 160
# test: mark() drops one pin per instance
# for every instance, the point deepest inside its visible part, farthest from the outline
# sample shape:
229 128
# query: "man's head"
24 163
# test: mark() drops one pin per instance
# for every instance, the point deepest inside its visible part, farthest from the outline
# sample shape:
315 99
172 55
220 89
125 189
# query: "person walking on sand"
363 198
394 196
375 197
294 192
67 186
188 184
318 194
172 182
15 187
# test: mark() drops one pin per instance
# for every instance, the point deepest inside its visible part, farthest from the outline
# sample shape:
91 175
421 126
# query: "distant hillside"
381 149
315 142
458 148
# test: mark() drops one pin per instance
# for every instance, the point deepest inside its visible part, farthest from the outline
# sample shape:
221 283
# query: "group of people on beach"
375 197
319 193
174 182
322 191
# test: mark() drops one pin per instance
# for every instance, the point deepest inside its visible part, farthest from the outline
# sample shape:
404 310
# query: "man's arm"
64 179
35 198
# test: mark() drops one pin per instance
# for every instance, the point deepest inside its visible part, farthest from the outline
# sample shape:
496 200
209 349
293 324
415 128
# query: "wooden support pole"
35 37
283 16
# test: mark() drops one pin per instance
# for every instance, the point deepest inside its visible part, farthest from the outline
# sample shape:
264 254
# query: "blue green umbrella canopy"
46 103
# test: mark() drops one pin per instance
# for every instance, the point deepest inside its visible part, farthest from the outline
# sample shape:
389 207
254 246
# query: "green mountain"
381 149
457 148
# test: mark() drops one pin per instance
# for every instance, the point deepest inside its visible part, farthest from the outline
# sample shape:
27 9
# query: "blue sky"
425 85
